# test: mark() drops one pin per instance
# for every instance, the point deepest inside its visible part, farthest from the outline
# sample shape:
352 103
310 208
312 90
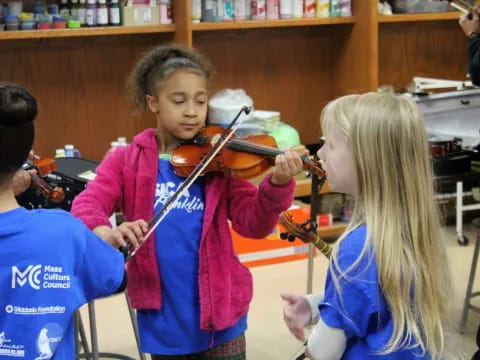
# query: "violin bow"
460 5
197 171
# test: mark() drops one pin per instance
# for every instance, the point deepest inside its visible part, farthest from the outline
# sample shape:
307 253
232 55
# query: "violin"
45 166
240 158
305 231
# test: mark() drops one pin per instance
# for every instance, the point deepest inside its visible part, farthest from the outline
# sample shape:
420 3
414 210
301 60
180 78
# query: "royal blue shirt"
362 312
50 265
175 328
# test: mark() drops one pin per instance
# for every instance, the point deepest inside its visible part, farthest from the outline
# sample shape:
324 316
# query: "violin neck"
251 148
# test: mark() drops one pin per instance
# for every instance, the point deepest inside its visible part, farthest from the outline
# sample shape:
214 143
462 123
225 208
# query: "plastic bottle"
286 9
248 9
258 10
39 10
122 141
273 11
297 9
196 11
165 12
209 10
240 10
91 13
70 151
114 13
113 146
102 13
82 13
75 9
345 8
60 153
228 10
334 8
219 16
52 9
64 9
309 8
323 8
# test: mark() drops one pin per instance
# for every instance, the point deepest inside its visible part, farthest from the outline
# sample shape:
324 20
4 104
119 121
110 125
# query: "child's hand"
297 314
287 165
128 232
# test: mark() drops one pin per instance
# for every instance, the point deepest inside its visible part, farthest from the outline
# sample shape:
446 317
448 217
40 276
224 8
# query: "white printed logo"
3 339
48 339
7 348
31 274
186 202
48 277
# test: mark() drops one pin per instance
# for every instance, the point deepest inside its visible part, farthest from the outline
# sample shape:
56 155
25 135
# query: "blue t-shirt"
175 328
362 312
50 265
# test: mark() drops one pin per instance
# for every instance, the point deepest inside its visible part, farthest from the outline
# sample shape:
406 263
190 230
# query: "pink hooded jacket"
126 179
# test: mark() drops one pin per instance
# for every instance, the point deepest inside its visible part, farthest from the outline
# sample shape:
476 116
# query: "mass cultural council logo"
31 275
40 276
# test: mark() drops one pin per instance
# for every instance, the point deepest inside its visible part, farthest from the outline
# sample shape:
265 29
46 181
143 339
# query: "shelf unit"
294 66
96 31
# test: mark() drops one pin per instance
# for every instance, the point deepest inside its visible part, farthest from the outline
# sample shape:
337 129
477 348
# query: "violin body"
243 158
231 162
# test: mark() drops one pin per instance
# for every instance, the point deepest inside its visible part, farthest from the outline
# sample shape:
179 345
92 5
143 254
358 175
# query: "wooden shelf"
97 31
238 25
419 17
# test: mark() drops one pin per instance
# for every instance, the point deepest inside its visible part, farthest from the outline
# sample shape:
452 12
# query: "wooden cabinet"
293 66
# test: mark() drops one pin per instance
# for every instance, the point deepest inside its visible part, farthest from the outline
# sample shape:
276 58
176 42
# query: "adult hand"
470 22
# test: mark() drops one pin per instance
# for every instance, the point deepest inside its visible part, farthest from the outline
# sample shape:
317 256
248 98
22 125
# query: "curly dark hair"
157 65
18 109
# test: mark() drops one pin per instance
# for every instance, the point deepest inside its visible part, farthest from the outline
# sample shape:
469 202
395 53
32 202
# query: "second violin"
45 166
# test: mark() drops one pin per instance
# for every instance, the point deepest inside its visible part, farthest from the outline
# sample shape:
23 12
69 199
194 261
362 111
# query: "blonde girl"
387 281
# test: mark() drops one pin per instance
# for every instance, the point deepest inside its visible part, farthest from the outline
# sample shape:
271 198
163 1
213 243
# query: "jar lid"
43 25
73 24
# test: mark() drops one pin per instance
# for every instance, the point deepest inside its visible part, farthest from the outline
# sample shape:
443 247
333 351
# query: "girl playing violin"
191 292
388 281
50 263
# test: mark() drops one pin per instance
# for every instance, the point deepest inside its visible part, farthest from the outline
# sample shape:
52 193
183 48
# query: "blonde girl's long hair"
395 200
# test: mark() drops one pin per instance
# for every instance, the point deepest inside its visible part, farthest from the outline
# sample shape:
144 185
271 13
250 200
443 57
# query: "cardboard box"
140 15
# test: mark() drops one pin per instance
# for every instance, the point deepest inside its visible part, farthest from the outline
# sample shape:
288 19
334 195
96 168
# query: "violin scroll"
313 166
305 231
45 166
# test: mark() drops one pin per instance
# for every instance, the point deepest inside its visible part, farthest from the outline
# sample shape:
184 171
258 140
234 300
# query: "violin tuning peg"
284 235
291 238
